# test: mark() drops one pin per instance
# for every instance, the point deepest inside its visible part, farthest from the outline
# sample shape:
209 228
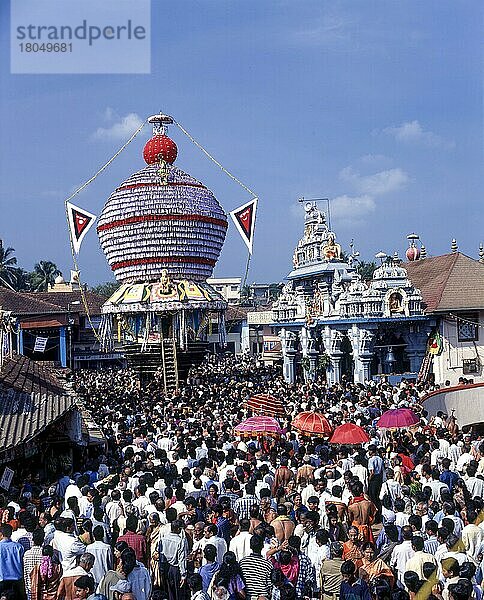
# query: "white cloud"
352 209
109 114
411 132
121 129
376 184
375 159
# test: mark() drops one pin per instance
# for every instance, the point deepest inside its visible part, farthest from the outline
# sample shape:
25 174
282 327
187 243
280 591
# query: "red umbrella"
312 422
398 418
264 404
349 434
259 426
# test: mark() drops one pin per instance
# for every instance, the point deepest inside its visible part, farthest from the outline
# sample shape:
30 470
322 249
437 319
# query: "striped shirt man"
257 575
243 505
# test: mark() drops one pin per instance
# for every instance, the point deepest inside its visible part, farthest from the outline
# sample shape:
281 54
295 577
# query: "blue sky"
376 105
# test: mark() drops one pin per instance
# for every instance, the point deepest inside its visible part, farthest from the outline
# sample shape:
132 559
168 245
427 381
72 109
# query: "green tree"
22 280
7 266
43 275
366 269
106 290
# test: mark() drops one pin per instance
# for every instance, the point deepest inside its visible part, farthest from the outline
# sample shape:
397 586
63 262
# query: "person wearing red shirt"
134 540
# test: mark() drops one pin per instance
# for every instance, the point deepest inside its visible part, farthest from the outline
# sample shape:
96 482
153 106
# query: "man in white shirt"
474 484
85 503
443 443
240 544
401 517
472 536
436 486
165 443
211 537
68 546
102 553
361 472
420 557
464 459
114 508
72 490
390 486
402 553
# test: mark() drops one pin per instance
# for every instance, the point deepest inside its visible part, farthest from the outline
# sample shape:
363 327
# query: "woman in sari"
45 577
152 542
352 548
372 567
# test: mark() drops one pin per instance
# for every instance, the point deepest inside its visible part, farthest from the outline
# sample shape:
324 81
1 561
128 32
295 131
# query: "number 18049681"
45 47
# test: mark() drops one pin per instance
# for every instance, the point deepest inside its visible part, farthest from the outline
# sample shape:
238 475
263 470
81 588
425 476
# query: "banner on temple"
40 343
244 219
80 221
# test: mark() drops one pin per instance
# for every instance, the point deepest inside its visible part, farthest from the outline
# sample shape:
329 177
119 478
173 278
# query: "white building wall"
228 287
449 364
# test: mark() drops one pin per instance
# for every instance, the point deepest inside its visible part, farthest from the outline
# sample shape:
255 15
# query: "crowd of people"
176 505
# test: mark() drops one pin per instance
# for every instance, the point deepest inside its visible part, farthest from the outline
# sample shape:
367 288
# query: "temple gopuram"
328 318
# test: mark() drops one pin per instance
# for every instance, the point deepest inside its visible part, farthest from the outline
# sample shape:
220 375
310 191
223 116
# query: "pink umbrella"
349 434
260 425
398 418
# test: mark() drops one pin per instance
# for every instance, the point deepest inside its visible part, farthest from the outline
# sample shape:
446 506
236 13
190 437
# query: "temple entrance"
390 354
347 362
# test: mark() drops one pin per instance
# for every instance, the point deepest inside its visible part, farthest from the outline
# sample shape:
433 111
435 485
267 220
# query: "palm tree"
43 275
7 266
22 280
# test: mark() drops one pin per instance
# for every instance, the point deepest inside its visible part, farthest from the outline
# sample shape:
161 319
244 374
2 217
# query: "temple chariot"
162 232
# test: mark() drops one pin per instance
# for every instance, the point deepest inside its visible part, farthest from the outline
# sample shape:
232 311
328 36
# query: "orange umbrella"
265 404
349 434
312 423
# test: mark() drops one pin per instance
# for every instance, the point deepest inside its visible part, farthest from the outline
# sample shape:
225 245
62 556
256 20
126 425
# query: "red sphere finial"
413 253
160 147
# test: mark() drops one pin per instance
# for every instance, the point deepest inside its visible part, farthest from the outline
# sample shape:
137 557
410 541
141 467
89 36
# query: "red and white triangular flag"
244 219
80 221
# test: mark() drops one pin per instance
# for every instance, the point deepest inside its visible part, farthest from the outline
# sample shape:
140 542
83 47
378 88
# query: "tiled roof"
449 282
24 416
26 304
64 300
32 397
24 375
